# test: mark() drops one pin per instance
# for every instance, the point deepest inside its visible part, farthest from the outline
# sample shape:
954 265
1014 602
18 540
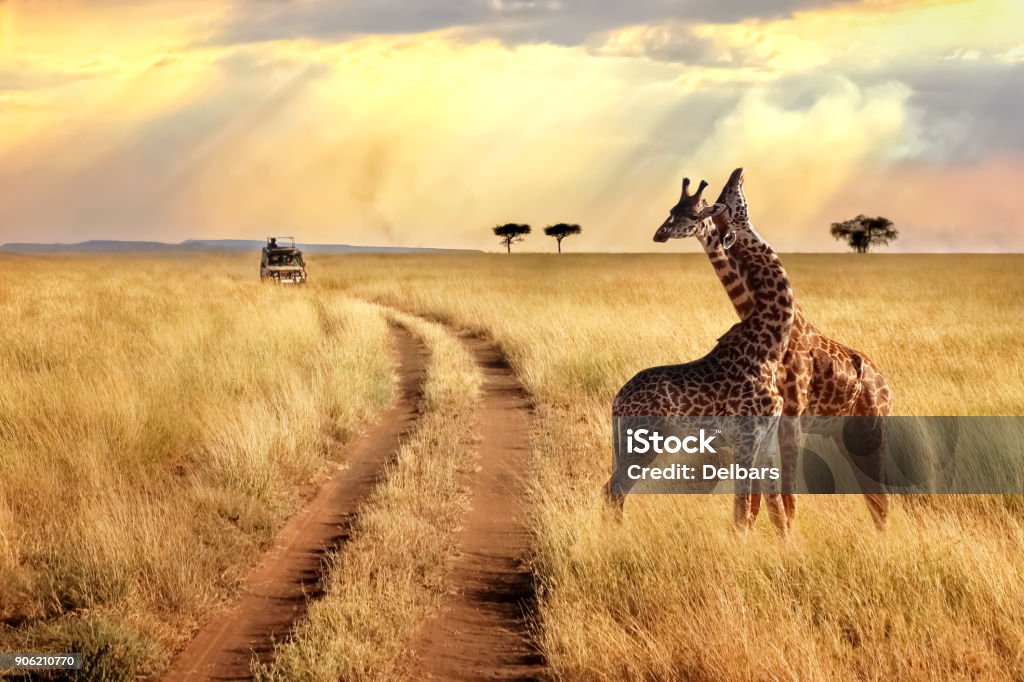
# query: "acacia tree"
561 231
863 232
510 233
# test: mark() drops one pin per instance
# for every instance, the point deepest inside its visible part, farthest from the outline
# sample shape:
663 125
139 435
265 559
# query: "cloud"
413 137
25 75
966 112
17 79
1014 54
967 55
672 41
562 22
142 174
799 156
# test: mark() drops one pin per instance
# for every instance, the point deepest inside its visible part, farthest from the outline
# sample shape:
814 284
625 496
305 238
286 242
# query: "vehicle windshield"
285 259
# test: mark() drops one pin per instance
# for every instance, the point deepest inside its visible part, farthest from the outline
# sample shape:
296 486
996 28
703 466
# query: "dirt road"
276 592
483 631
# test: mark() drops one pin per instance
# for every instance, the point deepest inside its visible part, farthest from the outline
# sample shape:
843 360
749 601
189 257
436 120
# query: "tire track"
276 592
483 631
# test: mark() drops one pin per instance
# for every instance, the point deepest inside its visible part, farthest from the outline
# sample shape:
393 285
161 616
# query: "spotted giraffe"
738 377
817 376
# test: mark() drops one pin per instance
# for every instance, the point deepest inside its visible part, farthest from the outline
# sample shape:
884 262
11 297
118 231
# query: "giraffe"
817 376
738 377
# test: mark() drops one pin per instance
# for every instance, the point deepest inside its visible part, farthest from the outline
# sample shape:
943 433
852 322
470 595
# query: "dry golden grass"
158 419
111 346
671 592
391 575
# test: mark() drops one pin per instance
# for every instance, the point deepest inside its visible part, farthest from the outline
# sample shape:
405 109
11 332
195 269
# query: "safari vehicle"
281 262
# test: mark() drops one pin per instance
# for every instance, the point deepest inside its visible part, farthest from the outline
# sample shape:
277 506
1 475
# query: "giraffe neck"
735 285
727 272
764 332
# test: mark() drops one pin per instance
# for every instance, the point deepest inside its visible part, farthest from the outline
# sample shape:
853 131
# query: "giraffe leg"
770 489
789 450
741 512
777 513
746 447
755 506
877 499
789 504
775 503
870 477
878 505
876 401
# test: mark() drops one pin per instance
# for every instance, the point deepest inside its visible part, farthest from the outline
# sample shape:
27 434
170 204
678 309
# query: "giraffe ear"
711 211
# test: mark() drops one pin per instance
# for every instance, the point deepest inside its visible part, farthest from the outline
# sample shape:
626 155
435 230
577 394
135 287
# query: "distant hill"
95 245
257 244
115 246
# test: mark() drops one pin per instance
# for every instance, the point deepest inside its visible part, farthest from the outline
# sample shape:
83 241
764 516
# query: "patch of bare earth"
275 594
483 629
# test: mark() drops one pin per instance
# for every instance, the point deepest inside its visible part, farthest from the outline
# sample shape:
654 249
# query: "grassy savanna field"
161 416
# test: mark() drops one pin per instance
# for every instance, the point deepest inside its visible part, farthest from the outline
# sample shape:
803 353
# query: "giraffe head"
732 199
690 217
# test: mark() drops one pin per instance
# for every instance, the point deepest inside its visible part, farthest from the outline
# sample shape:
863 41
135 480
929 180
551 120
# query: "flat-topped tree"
863 232
561 231
511 232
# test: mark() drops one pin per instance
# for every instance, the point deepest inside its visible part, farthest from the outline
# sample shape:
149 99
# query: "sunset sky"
425 122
